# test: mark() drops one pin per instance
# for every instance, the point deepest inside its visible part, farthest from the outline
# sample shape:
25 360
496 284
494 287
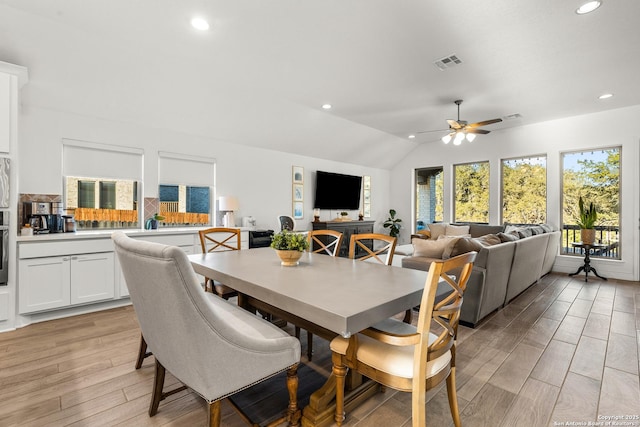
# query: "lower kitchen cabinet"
55 282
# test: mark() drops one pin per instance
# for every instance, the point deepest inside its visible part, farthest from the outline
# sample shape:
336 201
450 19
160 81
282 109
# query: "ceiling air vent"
447 62
512 116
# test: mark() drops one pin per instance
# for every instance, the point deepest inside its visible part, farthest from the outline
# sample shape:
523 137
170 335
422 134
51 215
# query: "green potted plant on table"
586 222
289 246
393 224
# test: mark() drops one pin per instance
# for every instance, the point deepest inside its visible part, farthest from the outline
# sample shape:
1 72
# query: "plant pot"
288 258
587 236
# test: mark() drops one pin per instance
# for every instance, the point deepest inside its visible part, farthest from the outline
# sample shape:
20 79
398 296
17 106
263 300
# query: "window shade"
182 169
88 159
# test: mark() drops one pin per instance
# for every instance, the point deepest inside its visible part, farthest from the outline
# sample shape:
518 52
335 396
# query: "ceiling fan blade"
429 131
484 123
478 131
454 125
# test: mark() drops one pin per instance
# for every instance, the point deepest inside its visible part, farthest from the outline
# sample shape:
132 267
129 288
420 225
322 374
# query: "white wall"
259 178
592 131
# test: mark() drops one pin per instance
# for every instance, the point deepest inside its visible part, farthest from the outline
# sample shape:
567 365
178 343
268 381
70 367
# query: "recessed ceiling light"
588 6
326 106
605 96
411 136
200 24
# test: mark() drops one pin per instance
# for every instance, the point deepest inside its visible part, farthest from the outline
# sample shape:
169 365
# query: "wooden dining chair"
406 357
328 242
188 328
373 247
325 241
376 248
217 239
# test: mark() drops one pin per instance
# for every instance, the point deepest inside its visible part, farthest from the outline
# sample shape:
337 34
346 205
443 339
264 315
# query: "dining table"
326 295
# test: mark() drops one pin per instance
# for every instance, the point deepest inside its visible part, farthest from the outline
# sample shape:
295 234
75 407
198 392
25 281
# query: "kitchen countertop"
106 233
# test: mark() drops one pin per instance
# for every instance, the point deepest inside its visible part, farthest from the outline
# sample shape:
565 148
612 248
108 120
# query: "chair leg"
158 384
453 397
213 414
293 412
142 352
340 372
309 345
408 316
297 329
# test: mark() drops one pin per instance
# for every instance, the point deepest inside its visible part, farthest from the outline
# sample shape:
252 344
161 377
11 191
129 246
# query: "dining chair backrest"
286 222
326 241
374 246
217 239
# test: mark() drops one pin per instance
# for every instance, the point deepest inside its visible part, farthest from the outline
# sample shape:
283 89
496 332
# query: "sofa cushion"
456 230
429 248
508 237
536 229
489 239
525 232
437 229
477 230
468 244
546 227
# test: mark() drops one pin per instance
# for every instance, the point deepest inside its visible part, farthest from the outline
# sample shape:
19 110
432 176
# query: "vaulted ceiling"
261 73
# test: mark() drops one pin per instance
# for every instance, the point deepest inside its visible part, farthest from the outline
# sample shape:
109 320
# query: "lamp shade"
228 203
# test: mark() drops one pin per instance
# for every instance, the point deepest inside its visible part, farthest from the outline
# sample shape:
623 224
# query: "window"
471 192
594 176
185 189
429 196
101 184
524 190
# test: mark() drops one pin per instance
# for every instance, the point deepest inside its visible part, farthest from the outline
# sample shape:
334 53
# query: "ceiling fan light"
458 139
471 137
447 138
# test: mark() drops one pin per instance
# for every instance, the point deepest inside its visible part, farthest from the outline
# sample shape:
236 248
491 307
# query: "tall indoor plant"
587 221
393 224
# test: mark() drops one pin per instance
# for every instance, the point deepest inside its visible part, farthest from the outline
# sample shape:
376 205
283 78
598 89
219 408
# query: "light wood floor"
564 351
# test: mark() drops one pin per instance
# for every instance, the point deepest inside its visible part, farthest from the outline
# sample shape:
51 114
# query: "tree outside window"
524 190
594 176
472 192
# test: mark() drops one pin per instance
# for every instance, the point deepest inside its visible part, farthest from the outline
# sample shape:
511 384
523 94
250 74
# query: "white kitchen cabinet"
56 282
92 277
45 283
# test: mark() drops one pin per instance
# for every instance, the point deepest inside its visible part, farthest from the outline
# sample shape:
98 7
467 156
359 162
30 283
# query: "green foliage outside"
472 192
597 180
524 192
286 240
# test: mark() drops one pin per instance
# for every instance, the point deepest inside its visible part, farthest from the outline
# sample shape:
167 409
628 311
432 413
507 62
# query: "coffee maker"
37 215
56 221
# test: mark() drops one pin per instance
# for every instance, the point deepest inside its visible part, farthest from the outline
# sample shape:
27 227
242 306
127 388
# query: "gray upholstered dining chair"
286 222
213 347
411 358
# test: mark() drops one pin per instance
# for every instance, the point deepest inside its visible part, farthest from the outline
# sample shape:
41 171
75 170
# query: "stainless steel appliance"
37 215
260 238
4 182
4 248
248 221
56 220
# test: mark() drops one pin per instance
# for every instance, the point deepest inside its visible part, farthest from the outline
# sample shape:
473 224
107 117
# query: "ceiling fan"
460 129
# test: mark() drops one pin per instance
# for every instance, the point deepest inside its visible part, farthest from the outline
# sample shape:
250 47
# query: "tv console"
347 228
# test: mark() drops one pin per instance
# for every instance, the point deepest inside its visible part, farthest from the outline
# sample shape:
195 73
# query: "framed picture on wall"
298 175
298 192
366 199
298 210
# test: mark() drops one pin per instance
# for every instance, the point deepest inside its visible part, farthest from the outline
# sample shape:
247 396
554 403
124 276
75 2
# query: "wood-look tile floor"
563 352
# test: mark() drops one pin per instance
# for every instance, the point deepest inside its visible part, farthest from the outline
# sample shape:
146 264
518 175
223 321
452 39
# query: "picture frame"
298 192
298 210
297 174
366 196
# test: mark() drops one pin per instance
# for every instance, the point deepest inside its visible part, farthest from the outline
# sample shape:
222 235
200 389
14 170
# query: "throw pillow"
525 232
456 230
464 245
429 248
508 237
546 227
437 229
489 240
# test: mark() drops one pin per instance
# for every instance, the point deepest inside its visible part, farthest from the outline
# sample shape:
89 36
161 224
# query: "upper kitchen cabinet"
12 78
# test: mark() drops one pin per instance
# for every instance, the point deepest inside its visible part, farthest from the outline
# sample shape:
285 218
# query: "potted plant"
586 222
152 223
393 224
289 246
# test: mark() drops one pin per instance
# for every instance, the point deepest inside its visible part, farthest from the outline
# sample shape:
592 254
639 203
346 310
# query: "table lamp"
228 204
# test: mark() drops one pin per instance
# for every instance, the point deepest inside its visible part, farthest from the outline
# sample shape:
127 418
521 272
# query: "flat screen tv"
337 191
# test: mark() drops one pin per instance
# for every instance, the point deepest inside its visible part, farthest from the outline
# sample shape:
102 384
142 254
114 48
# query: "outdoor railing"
605 235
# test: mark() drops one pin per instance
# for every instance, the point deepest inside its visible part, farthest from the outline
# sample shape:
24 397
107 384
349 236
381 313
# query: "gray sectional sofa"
502 270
